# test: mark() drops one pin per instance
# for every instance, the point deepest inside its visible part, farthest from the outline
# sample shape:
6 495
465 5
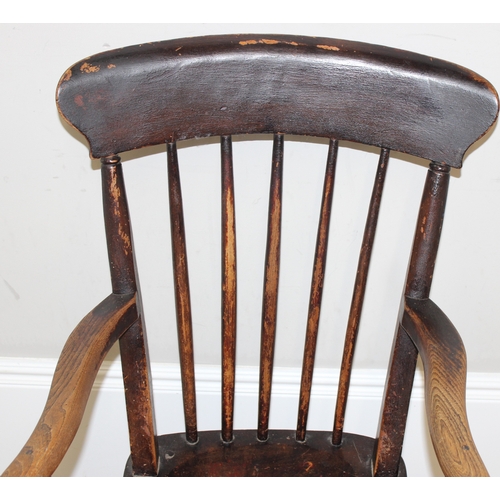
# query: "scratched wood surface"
182 295
133 344
316 292
164 92
229 287
281 455
358 296
276 84
271 283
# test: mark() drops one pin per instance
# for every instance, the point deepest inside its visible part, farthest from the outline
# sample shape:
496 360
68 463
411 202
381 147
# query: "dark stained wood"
117 224
271 281
445 371
228 289
164 92
404 353
133 344
75 373
182 295
280 455
139 398
238 84
358 296
318 279
428 232
396 399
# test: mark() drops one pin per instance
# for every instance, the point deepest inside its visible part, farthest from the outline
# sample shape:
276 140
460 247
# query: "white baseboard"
100 448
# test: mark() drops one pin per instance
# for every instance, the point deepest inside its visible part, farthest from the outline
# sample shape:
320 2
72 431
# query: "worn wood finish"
396 399
271 281
428 232
358 296
117 224
404 353
278 84
238 84
228 289
280 455
133 345
139 399
182 295
318 279
444 360
75 373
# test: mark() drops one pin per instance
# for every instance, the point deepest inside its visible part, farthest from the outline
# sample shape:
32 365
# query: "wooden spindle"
428 233
270 296
182 295
228 289
316 292
133 344
117 225
358 296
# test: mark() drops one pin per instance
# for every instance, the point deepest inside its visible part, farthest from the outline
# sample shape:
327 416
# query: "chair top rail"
160 92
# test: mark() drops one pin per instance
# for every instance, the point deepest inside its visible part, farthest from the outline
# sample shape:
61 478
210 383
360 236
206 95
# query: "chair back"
166 92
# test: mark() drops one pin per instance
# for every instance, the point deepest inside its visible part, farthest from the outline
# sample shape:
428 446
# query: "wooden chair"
169 91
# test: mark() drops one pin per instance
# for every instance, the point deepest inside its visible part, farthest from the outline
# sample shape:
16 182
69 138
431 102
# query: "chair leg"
396 403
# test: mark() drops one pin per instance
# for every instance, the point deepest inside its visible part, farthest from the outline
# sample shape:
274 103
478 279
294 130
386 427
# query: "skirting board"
101 446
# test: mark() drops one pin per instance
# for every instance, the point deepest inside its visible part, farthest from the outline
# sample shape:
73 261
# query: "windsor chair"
165 92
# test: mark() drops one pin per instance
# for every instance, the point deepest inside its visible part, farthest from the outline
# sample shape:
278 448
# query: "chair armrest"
74 376
444 360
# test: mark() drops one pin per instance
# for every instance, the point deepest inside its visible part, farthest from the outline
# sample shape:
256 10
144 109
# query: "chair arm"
74 376
444 360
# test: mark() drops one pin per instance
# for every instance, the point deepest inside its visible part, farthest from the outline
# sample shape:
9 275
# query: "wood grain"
396 402
240 84
444 359
279 456
271 282
182 294
358 295
168 91
316 294
117 225
137 382
228 289
133 344
75 373
428 232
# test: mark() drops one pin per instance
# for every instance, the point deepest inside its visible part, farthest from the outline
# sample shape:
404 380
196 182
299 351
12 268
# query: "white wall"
53 266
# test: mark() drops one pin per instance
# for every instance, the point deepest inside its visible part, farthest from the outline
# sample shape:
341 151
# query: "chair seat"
280 455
